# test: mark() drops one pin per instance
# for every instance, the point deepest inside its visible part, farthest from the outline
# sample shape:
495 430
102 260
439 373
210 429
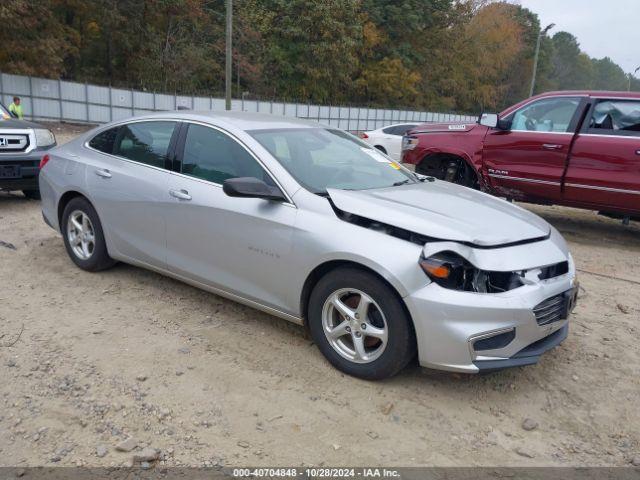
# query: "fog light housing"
493 341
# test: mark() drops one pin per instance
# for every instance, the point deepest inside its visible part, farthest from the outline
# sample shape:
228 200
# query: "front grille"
551 310
13 142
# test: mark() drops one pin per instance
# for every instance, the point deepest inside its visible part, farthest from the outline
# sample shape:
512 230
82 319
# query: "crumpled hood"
458 127
444 211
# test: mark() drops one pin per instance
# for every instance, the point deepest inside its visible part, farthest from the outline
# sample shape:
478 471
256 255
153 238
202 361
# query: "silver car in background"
311 224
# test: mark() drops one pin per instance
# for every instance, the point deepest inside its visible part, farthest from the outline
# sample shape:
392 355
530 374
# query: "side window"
145 142
616 117
389 130
103 142
214 156
548 115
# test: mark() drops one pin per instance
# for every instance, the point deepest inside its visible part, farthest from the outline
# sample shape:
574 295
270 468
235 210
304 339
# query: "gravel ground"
128 366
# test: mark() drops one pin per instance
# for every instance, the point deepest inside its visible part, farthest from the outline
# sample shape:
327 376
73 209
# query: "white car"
388 139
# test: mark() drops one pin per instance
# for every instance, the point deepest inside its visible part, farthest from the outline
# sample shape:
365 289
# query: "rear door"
528 160
604 170
127 179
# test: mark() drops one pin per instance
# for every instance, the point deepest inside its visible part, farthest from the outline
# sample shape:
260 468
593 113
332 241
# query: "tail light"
364 136
43 161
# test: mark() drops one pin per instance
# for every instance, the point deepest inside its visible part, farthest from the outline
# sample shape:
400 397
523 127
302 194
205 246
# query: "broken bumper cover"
528 355
475 332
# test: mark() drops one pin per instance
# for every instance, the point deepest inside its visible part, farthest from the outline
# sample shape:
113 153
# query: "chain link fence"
60 100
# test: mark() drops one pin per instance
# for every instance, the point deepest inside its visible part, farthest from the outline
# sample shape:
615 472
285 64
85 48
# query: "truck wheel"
359 324
449 168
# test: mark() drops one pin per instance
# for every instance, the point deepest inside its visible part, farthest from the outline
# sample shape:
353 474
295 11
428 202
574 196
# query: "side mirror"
492 120
489 120
251 187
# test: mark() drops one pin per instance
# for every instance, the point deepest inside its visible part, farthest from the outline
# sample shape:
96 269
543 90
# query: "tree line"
454 55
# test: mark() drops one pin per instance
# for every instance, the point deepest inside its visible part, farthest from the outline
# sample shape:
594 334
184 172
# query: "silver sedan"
311 224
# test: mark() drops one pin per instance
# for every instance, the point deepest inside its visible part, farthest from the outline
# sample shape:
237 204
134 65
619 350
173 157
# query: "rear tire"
380 327
32 194
381 148
83 236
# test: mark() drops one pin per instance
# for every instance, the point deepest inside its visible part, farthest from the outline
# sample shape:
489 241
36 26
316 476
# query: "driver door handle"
180 194
552 146
103 172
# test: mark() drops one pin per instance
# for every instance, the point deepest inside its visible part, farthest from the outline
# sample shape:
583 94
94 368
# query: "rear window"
398 129
103 142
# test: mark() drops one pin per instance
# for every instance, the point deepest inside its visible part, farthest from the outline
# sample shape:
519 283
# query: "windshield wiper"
401 182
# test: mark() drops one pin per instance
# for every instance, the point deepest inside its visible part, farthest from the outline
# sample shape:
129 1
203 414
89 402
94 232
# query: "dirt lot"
88 360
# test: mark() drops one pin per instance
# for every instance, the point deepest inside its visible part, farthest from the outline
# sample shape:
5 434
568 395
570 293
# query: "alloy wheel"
81 235
354 325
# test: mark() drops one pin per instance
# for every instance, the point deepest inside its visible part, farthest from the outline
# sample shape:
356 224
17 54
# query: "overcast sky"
604 28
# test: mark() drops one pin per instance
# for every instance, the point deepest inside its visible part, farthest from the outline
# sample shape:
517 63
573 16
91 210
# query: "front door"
528 160
604 170
234 244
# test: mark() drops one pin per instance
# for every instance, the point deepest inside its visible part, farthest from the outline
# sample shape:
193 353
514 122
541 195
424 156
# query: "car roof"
241 120
395 125
573 93
591 93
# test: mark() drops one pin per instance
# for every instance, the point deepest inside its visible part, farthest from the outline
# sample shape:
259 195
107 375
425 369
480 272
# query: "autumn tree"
33 40
462 55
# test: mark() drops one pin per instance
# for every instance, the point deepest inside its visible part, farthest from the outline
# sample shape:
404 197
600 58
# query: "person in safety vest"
15 108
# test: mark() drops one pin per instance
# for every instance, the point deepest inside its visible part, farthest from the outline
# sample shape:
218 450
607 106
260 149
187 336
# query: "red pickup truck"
574 148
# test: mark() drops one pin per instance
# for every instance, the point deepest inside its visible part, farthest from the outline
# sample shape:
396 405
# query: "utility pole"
228 66
537 54
632 75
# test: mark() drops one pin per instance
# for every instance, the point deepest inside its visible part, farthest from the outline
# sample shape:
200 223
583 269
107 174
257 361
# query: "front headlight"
44 137
450 270
409 142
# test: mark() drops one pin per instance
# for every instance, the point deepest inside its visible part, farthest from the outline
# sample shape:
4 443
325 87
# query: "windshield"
321 158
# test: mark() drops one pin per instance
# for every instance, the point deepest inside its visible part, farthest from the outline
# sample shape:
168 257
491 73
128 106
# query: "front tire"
83 236
360 324
449 168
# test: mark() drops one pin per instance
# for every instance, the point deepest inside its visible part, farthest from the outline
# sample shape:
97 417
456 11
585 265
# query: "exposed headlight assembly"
409 143
450 270
44 137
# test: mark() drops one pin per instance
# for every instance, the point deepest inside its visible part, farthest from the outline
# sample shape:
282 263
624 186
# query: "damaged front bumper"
476 332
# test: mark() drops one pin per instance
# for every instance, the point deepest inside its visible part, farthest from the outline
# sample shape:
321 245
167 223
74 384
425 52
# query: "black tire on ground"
99 259
32 194
401 343
381 148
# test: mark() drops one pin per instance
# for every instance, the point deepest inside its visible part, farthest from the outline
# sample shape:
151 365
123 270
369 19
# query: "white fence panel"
73 91
73 101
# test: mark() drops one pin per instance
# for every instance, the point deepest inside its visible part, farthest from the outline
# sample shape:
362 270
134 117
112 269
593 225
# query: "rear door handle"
552 146
104 173
180 194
